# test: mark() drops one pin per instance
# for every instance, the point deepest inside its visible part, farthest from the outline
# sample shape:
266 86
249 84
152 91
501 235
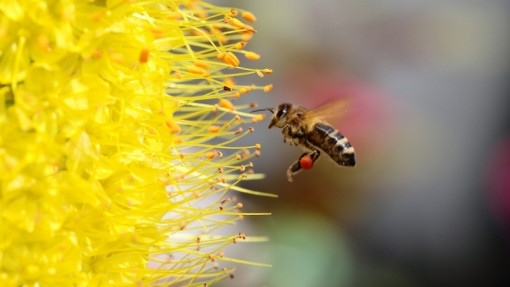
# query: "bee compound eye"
280 113
282 110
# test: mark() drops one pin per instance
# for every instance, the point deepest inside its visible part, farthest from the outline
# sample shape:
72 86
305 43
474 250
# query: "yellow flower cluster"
118 130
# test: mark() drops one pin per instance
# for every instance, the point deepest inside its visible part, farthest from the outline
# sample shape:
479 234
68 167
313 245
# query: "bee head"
279 118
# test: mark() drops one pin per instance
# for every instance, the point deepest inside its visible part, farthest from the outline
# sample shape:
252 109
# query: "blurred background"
428 203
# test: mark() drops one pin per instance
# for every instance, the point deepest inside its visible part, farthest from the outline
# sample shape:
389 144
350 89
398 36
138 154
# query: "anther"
248 16
245 90
237 23
233 12
240 45
231 59
144 55
210 155
252 55
213 129
224 103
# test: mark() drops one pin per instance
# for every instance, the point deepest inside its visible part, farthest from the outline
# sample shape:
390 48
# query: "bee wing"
334 109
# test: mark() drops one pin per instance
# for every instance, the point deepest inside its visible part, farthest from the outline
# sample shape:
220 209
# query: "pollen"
258 117
173 126
248 16
267 71
226 104
252 55
236 23
257 146
231 59
268 88
196 70
213 129
144 55
240 45
210 155
245 90
202 64
306 162
221 55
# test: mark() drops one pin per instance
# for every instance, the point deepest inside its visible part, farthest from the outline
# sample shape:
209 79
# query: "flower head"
118 130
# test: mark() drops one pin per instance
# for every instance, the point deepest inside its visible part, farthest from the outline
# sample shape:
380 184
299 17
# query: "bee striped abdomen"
333 143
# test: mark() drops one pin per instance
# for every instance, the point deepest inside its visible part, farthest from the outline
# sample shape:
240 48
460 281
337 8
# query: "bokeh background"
429 201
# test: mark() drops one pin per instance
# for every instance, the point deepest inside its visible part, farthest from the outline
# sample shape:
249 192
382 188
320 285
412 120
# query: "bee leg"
287 135
295 167
314 155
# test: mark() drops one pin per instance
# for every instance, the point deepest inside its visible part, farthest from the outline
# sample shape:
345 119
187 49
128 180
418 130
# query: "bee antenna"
266 109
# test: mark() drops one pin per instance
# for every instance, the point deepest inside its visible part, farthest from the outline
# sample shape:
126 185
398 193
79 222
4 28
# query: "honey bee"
309 129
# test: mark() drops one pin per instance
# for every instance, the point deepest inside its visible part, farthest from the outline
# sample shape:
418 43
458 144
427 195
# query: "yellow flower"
118 134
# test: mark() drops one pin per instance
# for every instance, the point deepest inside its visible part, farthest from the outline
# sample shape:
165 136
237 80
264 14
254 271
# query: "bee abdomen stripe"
324 128
349 150
340 139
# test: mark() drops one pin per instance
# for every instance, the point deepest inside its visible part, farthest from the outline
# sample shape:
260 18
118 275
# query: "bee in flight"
309 129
